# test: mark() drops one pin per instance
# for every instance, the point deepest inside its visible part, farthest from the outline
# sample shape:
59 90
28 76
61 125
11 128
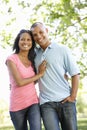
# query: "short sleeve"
12 58
70 63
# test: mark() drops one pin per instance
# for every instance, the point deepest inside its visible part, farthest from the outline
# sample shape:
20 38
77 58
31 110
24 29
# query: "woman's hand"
42 68
66 77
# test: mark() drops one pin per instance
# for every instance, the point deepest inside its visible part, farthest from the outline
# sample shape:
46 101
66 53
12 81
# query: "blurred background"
67 24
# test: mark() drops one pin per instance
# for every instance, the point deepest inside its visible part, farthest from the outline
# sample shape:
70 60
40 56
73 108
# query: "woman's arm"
24 81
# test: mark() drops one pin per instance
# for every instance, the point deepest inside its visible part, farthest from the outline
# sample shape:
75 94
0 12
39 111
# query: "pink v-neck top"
25 96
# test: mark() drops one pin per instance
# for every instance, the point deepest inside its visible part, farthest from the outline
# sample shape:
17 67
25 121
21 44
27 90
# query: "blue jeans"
30 114
57 114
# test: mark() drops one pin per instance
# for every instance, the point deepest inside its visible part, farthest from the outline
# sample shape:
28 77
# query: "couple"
48 64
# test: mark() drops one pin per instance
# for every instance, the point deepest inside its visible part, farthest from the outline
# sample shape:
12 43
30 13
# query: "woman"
23 99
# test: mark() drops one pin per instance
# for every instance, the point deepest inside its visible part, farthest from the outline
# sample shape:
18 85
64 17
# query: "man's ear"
47 30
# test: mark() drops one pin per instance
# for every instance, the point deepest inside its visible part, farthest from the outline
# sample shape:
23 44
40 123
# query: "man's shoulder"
59 45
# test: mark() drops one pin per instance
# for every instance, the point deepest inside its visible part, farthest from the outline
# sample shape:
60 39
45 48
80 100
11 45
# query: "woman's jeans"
57 114
30 114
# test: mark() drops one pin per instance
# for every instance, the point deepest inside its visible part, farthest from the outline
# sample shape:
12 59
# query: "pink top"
21 97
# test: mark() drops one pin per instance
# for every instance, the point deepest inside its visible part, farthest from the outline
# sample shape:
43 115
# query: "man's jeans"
56 114
32 114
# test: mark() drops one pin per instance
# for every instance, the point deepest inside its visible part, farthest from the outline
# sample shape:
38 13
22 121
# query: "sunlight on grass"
82 125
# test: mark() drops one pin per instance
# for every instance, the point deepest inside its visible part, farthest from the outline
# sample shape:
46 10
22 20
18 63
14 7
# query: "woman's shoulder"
13 57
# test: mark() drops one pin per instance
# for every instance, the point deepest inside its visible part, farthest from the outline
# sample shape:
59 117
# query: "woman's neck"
23 54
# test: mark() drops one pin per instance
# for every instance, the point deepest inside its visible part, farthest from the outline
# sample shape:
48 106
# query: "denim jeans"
57 114
30 114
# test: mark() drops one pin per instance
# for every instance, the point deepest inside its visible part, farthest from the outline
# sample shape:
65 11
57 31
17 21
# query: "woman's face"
25 42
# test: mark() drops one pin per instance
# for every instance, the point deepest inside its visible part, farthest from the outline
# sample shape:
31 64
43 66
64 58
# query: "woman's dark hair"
31 54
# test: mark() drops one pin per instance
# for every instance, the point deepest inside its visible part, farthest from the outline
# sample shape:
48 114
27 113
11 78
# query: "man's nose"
39 36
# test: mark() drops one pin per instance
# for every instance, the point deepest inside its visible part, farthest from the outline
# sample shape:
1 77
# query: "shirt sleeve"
12 58
71 65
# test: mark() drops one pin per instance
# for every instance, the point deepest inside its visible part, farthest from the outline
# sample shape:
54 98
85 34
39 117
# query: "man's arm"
75 84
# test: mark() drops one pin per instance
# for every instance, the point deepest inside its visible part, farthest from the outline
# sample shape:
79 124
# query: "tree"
66 19
68 22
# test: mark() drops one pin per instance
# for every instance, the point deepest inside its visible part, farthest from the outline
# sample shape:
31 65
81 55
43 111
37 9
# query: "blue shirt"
53 86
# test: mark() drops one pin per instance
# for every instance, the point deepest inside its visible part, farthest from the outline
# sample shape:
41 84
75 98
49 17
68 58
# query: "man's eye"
35 35
41 32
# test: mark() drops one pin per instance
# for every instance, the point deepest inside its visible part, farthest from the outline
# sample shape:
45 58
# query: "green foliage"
6 1
81 105
67 20
6 39
23 3
3 111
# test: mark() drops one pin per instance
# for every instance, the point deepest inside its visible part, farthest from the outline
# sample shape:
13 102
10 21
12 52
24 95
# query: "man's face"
40 34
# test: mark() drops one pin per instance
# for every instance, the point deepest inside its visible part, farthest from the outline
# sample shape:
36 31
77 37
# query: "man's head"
40 34
36 24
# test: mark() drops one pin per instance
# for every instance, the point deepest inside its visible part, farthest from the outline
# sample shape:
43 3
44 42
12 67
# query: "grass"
82 125
7 128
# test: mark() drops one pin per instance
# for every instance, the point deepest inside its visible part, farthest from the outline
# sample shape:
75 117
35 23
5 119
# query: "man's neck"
46 45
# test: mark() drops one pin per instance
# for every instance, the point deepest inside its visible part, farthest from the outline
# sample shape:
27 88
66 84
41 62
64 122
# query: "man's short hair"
36 24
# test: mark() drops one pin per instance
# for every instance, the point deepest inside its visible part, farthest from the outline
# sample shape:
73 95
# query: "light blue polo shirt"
53 86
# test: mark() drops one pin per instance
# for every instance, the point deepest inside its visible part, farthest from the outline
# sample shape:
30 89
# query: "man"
57 98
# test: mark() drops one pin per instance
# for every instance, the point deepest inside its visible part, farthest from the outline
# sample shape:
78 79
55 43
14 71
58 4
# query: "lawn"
82 125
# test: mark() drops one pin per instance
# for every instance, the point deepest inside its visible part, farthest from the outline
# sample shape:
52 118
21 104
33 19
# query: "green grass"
7 128
82 125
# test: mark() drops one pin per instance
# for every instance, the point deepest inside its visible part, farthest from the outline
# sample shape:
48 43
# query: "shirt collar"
49 47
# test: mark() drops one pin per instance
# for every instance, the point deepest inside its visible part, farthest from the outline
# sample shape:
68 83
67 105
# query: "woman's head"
20 38
19 44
